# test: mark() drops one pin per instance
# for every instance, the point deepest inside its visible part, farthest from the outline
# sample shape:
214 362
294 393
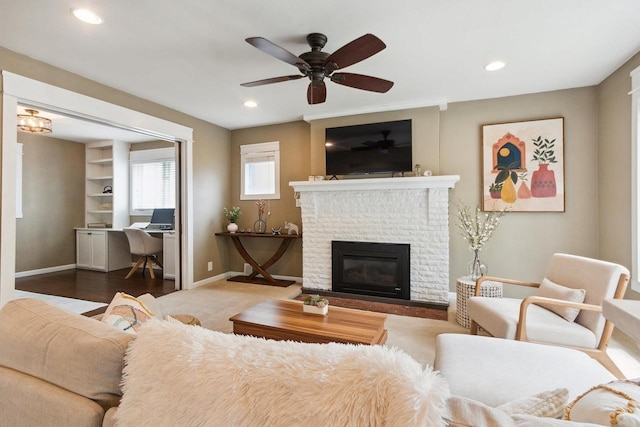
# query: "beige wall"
449 143
53 202
425 126
294 166
597 174
614 166
210 151
523 243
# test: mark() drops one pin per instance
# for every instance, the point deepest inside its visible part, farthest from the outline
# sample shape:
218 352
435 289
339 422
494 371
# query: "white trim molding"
635 176
26 91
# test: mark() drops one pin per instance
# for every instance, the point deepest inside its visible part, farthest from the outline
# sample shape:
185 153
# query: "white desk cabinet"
169 255
102 250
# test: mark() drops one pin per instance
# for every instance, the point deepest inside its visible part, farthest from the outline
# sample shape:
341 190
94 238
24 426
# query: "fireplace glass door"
376 269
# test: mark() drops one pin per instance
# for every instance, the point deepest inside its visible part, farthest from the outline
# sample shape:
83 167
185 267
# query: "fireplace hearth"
376 269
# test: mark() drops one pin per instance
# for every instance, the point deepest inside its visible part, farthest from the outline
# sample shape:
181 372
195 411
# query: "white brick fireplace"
412 210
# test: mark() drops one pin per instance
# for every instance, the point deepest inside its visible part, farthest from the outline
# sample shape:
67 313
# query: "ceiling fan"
316 65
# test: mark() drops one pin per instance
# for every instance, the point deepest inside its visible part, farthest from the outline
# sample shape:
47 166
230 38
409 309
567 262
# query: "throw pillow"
127 313
464 412
615 403
545 404
548 289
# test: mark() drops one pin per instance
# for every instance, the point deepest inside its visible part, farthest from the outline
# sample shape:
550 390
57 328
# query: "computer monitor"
162 218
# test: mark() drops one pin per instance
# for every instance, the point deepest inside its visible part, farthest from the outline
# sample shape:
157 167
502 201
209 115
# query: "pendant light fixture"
33 123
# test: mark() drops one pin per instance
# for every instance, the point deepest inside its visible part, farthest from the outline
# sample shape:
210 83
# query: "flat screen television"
370 148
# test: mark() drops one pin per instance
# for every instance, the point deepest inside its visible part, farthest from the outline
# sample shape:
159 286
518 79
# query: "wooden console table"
266 278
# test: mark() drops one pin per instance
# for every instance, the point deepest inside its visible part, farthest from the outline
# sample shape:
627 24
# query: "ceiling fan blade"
272 80
360 81
276 51
316 93
355 51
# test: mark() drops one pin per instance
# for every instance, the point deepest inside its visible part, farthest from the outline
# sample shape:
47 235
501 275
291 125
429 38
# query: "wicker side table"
465 288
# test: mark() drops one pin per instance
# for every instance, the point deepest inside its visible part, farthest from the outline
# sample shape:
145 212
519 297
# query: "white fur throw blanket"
179 375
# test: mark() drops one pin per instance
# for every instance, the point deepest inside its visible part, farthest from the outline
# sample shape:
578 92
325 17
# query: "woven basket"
465 288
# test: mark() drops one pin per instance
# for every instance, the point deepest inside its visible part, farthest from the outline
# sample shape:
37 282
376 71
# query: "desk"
266 278
107 249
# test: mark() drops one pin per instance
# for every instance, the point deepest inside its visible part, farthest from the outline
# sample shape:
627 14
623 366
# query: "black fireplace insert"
377 269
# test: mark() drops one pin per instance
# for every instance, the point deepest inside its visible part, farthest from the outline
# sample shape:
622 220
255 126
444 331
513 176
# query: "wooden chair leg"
150 260
473 330
157 261
134 268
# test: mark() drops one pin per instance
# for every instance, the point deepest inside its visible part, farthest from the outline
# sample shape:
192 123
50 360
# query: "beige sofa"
62 369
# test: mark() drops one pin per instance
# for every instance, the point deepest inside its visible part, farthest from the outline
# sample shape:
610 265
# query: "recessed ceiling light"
87 16
251 104
494 66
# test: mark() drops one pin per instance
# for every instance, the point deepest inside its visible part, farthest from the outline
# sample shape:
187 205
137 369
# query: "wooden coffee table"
284 320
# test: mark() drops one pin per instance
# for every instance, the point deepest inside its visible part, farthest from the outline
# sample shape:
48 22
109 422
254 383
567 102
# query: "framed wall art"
523 166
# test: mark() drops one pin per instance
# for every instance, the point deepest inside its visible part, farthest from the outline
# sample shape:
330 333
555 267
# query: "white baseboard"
209 280
238 273
45 270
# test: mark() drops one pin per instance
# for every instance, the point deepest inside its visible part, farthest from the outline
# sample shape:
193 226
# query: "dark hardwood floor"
94 285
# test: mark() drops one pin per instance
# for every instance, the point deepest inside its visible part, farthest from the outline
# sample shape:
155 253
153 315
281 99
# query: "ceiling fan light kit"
317 65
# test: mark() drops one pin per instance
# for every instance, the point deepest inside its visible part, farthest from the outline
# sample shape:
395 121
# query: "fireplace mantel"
411 210
444 181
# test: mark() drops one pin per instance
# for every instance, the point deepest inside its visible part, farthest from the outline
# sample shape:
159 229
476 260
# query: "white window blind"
153 180
260 171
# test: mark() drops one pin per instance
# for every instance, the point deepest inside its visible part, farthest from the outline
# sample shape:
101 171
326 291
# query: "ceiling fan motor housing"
316 64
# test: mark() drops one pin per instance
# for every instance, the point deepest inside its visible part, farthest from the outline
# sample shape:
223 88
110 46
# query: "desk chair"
146 246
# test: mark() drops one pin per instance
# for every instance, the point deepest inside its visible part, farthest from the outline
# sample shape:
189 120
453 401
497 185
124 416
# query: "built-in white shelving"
107 183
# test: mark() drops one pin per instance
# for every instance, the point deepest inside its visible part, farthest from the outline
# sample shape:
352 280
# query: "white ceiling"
77 130
191 55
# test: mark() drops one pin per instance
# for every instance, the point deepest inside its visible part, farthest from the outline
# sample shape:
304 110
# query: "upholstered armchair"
566 309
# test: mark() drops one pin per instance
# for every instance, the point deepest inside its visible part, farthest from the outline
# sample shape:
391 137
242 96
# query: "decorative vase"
508 193
543 182
260 226
523 191
476 268
232 227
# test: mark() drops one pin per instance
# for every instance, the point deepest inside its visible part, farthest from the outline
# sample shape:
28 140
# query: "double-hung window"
152 180
260 171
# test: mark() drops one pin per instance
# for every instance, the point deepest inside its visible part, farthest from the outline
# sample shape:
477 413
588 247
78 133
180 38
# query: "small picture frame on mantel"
523 166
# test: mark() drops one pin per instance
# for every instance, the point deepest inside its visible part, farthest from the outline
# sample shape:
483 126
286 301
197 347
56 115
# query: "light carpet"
213 304
71 304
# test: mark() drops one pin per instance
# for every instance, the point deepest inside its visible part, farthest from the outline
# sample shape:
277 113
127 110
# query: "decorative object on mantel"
293 228
315 304
276 231
509 151
260 226
232 216
476 230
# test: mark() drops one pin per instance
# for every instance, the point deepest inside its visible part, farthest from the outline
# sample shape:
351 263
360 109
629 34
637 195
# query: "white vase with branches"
477 229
